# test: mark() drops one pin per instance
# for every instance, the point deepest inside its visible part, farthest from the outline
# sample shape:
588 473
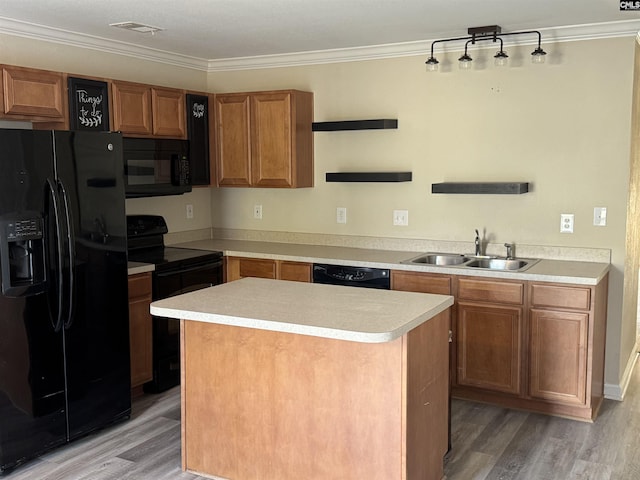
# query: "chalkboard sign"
88 105
198 134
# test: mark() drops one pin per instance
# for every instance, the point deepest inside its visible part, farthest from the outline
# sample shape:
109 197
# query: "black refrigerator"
64 324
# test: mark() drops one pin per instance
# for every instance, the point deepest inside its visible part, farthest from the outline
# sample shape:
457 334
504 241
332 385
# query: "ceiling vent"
137 27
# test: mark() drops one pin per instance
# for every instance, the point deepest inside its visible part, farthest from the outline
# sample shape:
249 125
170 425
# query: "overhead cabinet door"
271 159
234 149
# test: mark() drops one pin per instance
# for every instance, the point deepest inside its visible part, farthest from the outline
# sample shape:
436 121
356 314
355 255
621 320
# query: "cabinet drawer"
140 285
295 271
558 296
257 268
490 291
420 282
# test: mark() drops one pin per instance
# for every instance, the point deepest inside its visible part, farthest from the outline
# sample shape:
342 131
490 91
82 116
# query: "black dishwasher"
352 276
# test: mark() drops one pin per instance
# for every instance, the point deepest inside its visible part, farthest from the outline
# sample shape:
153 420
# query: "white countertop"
328 311
557 271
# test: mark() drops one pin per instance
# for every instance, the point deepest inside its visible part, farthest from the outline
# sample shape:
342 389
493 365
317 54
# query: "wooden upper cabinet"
33 94
233 149
131 108
141 110
264 139
168 112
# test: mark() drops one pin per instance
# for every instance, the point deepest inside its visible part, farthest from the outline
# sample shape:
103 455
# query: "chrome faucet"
478 249
510 248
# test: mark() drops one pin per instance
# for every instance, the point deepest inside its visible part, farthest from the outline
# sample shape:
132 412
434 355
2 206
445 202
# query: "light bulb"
501 59
464 62
538 55
432 64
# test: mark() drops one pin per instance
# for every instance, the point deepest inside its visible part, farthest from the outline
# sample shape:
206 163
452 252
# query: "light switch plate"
600 216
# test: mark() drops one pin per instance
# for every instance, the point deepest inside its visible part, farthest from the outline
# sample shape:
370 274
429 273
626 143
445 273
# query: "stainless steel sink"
498 263
443 259
471 261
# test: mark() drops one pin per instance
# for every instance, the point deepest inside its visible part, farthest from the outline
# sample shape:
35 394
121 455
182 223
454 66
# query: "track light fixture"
478 34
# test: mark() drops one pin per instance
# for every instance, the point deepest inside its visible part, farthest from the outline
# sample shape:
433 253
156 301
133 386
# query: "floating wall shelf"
369 177
503 188
378 124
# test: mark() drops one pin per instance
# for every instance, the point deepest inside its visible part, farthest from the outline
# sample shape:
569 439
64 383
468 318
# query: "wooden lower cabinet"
140 329
489 348
558 338
530 345
240 267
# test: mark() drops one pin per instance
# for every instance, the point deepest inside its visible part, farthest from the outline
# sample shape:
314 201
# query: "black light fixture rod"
447 40
525 32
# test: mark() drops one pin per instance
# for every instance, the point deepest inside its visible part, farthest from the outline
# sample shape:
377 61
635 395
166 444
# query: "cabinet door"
489 346
33 93
132 108
558 345
233 147
168 113
271 138
140 329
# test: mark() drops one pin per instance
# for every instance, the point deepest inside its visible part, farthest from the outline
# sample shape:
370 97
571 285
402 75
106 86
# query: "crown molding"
16 28
48 34
569 33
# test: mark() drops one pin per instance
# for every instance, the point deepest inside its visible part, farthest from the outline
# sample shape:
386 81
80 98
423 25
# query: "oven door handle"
207 266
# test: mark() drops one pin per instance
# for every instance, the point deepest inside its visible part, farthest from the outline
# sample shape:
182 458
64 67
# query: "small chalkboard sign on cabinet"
88 105
198 134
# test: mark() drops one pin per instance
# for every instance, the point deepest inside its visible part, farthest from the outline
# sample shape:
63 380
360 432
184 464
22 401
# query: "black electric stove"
177 271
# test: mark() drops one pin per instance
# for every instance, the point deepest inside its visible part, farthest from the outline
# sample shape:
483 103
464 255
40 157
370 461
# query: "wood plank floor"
488 443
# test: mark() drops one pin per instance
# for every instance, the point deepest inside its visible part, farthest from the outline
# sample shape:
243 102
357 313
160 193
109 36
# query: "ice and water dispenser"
22 254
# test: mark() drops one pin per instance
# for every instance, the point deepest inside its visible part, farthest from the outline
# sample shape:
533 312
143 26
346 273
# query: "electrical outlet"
257 212
600 216
189 210
566 223
341 215
401 217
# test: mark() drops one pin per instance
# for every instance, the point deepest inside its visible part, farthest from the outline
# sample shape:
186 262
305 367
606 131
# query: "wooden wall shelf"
369 177
500 188
378 124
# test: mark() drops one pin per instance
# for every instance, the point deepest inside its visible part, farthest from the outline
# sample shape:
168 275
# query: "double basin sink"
472 261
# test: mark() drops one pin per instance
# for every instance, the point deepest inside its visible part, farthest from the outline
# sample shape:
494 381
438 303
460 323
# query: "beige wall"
563 126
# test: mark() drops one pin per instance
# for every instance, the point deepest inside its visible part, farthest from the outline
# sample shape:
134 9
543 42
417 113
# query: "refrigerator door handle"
60 261
71 251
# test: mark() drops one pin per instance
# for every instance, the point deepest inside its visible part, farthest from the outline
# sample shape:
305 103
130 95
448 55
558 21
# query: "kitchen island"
287 380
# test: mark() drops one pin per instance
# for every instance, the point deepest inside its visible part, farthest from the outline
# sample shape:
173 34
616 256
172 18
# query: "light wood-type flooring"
488 443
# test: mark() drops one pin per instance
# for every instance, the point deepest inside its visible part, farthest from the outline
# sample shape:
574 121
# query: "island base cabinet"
278 406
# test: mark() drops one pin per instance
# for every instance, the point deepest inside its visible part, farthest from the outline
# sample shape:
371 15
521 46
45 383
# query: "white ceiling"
212 34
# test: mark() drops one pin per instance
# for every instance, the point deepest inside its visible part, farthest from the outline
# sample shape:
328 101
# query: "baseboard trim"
617 392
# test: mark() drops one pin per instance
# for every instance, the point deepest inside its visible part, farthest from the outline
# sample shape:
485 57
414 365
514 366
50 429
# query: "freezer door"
90 172
32 397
